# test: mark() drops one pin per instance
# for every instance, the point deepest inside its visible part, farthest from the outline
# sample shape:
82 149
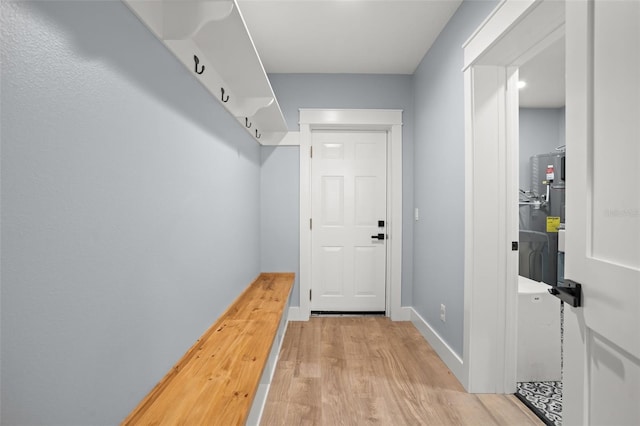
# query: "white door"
348 195
602 338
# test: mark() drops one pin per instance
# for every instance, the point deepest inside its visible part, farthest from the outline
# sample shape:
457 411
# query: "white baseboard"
259 401
295 314
444 351
404 314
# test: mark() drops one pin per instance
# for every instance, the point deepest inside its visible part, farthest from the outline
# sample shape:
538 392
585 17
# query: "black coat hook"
197 61
246 122
222 97
257 135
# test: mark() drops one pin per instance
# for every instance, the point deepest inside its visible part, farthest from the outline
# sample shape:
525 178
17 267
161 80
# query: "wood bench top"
215 381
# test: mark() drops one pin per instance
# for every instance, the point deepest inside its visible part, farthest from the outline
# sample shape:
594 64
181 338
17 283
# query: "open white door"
602 338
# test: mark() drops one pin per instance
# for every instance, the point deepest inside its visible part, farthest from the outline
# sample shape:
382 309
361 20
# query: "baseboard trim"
295 314
444 351
403 314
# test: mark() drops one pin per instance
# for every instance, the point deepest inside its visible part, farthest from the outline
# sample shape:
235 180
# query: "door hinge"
311 151
310 223
309 294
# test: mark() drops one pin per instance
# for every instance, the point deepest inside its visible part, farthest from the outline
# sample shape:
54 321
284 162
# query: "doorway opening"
513 34
602 251
541 219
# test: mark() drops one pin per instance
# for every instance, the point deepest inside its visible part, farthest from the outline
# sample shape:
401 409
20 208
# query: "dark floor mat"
544 399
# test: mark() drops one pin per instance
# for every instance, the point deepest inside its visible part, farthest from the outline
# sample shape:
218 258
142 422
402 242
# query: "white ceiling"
545 78
345 36
374 37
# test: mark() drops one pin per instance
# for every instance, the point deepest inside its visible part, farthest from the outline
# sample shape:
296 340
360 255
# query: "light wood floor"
369 370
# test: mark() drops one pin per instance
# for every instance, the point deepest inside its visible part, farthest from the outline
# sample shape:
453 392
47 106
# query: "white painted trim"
491 224
481 28
444 351
486 244
255 415
295 314
512 180
512 33
305 214
576 373
355 119
469 357
277 357
506 35
351 118
493 27
503 232
290 139
555 36
260 398
404 314
394 219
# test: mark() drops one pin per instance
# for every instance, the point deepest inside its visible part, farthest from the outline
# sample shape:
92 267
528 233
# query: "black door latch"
569 292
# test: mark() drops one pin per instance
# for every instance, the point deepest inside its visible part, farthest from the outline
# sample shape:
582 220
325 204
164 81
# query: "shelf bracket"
248 107
183 19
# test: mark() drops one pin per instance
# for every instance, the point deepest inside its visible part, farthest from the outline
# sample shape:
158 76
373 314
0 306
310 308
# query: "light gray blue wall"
295 91
438 275
280 212
130 203
541 130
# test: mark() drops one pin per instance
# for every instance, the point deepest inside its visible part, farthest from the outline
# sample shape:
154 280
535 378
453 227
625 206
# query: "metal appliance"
542 211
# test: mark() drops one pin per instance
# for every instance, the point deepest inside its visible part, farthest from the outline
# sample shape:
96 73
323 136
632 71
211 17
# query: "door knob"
378 237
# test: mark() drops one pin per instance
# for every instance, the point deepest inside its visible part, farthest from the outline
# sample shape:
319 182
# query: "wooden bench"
216 381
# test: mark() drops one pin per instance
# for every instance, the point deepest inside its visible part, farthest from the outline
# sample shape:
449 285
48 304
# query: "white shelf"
215 32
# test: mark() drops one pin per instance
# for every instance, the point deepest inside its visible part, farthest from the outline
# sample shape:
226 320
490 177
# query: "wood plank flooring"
370 370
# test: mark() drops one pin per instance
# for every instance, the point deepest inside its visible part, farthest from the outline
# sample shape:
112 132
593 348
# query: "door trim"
512 34
355 119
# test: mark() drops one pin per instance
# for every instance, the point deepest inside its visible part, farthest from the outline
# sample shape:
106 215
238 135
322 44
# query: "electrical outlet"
443 313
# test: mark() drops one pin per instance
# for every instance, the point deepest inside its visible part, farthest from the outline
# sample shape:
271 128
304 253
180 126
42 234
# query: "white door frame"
514 32
355 119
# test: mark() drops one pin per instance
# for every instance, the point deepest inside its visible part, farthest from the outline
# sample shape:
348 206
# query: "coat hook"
246 122
257 135
197 61
222 97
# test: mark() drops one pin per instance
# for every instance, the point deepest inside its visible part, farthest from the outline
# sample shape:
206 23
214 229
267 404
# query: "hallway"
369 370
